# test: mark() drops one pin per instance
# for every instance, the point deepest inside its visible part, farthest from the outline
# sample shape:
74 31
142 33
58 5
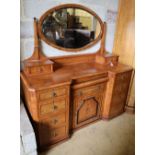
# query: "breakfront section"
88 100
116 93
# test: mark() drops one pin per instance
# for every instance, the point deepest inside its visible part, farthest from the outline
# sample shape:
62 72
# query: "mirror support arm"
102 48
37 54
37 64
36 40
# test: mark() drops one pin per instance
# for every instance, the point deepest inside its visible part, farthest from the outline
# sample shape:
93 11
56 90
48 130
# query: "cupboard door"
86 110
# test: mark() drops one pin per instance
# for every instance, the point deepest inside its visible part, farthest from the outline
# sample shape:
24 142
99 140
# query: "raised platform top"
72 74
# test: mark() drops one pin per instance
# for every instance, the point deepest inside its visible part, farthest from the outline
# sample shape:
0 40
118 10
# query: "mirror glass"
70 28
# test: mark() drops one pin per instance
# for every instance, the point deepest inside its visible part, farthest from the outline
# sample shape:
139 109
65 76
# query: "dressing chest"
63 94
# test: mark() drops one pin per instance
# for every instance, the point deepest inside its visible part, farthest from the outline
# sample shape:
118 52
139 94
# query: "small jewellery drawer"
40 69
89 90
54 121
52 106
51 93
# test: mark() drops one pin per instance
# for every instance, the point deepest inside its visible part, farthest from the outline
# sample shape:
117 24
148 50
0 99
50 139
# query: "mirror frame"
42 36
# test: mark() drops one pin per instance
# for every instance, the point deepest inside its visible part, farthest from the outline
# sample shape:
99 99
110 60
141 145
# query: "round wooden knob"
55 107
55 121
53 94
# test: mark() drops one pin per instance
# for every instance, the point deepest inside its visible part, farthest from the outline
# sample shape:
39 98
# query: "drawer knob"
55 121
53 94
54 134
54 107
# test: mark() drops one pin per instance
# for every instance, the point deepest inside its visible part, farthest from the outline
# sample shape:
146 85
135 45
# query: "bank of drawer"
53 106
90 89
51 93
54 121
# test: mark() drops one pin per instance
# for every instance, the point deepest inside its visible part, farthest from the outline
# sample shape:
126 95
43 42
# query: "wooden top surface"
67 74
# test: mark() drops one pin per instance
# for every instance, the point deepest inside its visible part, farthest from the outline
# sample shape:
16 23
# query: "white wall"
106 9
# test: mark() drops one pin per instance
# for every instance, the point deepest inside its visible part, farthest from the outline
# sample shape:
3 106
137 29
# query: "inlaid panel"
87 110
120 92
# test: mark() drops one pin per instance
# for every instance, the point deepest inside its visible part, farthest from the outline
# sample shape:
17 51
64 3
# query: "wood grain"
74 92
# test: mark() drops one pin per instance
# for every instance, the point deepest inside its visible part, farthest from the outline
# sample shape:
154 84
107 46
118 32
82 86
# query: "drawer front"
56 133
53 106
51 93
35 70
90 90
54 121
51 136
39 69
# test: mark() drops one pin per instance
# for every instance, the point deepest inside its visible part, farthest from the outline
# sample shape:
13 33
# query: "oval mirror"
70 27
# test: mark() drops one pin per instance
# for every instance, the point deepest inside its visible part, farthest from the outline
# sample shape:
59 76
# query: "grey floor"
114 137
